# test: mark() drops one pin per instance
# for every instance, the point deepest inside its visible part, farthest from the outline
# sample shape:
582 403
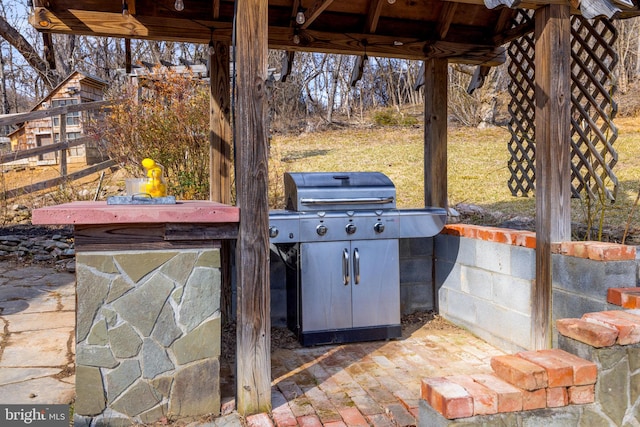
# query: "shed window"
73 119
78 150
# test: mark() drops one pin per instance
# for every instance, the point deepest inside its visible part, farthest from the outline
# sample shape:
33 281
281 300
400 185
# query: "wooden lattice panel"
522 112
593 133
592 110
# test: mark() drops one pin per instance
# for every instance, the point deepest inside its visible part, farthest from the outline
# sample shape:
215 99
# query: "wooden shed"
75 89
439 32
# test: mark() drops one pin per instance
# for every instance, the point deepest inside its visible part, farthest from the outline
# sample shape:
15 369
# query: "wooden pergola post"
553 168
220 140
435 132
220 125
253 358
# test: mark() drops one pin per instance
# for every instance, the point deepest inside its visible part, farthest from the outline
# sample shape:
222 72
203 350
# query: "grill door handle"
346 278
347 201
356 266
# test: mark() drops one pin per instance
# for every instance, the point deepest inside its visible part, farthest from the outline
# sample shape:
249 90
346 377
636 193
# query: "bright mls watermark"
34 415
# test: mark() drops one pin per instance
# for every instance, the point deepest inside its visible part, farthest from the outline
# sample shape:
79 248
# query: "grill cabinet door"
376 295
325 299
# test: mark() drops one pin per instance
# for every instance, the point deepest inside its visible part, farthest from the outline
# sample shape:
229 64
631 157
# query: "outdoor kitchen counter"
148 316
87 213
99 226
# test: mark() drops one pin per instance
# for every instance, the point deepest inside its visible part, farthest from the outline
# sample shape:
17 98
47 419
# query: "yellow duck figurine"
155 185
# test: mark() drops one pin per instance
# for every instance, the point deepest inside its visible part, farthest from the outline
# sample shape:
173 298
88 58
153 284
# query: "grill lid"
328 191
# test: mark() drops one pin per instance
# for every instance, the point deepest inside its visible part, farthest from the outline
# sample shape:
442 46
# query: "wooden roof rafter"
314 12
446 16
215 7
373 16
515 32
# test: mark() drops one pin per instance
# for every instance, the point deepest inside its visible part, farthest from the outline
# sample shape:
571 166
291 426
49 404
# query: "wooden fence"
60 147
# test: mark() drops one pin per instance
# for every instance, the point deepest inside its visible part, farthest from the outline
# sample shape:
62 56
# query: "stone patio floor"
371 383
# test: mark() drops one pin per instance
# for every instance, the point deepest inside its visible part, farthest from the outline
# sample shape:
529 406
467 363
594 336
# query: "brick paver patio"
371 383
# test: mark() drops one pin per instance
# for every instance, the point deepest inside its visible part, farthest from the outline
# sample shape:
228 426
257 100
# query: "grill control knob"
350 228
378 227
321 230
273 231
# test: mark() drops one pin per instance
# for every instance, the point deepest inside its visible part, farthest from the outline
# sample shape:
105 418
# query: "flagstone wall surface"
148 335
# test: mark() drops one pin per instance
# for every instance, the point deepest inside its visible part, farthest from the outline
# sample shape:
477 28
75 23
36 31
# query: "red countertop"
94 213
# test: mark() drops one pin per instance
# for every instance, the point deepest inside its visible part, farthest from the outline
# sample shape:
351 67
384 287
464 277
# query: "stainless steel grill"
339 234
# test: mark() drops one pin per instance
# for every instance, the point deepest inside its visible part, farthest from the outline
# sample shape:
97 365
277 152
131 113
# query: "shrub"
164 117
391 117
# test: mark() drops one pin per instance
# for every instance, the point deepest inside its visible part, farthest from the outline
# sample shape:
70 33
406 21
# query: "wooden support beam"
470 54
215 8
49 53
388 47
373 16
513 33
253 355
553 150
435 132
127 56
314 11
446 17
220 138
106 24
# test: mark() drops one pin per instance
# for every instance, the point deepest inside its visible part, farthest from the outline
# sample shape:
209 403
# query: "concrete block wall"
148 335
608 266
416 275
484 277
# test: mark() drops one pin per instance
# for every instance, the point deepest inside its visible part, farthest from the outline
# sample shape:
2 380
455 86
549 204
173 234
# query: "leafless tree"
628 48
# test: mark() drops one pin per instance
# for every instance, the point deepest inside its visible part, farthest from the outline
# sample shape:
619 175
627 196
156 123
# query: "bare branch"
11 35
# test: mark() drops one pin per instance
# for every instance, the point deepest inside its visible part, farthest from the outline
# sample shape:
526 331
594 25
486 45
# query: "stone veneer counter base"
148 286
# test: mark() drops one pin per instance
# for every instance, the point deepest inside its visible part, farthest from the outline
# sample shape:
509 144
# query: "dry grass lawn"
477 168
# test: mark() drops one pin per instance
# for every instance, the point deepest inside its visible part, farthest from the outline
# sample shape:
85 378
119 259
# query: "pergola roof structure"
466 31
435 31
